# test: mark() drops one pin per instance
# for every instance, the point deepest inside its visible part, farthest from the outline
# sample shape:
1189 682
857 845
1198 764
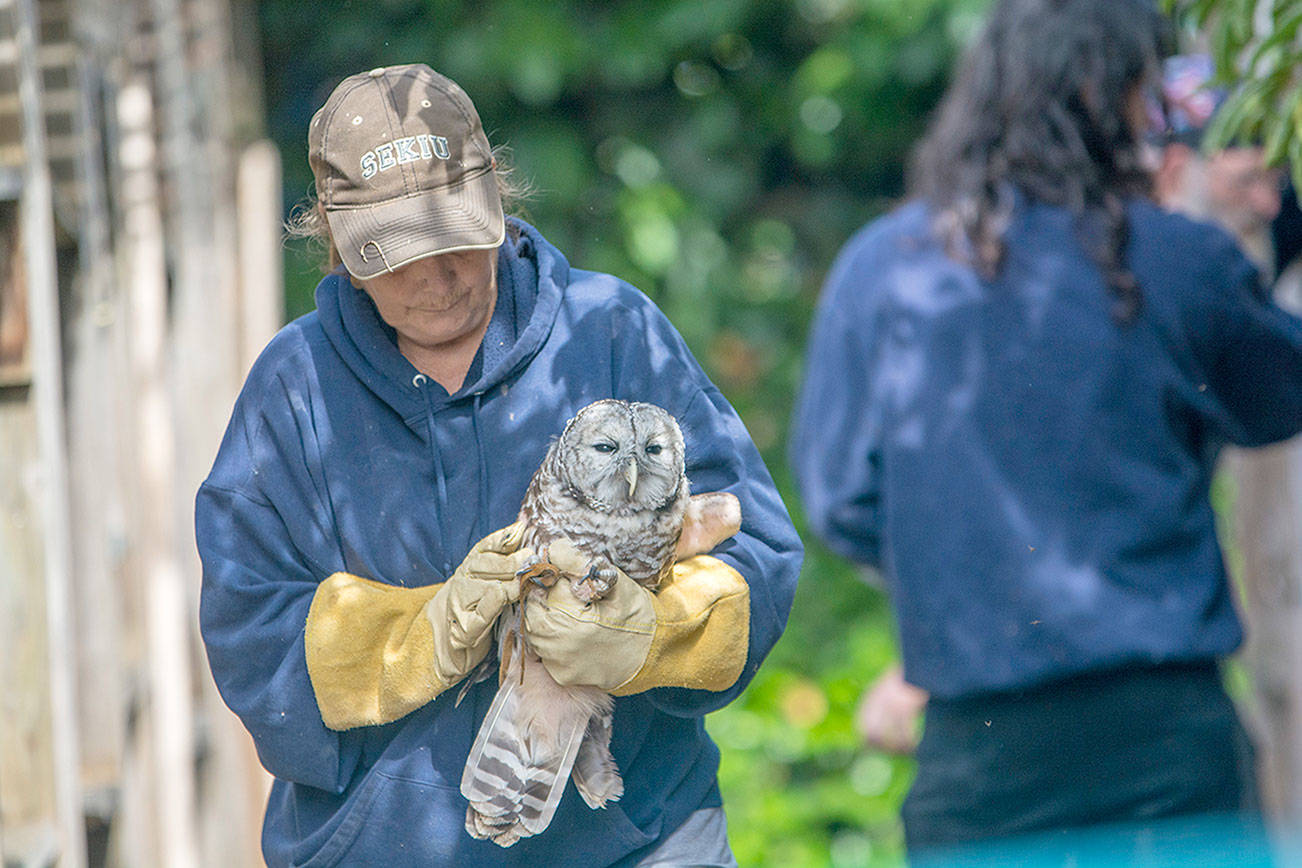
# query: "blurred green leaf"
1258 55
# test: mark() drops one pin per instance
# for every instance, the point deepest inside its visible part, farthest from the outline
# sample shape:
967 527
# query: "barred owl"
613 484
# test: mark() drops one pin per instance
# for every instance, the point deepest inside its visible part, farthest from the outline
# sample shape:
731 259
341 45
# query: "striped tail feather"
519 763
595 774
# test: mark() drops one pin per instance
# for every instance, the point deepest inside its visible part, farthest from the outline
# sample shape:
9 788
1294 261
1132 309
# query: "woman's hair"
308 220
1040 106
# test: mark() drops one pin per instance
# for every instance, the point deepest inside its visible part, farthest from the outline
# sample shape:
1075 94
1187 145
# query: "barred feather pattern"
538 733
639 542
595 774
517 769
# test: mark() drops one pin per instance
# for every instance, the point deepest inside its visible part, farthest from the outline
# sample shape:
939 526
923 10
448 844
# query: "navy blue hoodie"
340 457
1031 477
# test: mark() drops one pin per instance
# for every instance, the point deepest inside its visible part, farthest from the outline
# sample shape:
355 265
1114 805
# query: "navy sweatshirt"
1031 477
339 457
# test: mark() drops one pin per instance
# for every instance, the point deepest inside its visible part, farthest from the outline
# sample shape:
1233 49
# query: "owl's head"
618 455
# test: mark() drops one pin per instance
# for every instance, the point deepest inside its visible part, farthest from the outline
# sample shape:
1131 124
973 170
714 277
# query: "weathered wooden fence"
139 273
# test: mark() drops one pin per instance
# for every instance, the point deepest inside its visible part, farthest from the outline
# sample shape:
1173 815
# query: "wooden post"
1269 521
166 617
47 397
192 65
1268 534
96 414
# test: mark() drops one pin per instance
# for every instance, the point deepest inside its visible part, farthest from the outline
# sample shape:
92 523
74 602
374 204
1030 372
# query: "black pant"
1128 745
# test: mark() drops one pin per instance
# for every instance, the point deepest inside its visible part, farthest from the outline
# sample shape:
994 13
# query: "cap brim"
377 238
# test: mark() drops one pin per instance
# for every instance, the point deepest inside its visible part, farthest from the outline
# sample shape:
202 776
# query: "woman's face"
438 300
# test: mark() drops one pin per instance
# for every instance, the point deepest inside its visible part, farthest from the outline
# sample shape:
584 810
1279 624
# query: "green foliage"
1258 56
716 154
798 787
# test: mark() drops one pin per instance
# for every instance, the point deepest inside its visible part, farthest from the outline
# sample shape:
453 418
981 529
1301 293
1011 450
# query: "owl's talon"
596 584
542 574
584 592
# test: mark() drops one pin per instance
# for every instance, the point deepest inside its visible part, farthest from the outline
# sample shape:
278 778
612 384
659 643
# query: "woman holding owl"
355 535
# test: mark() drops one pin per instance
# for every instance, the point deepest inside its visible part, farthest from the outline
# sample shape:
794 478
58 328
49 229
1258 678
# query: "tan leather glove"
376 652
692 632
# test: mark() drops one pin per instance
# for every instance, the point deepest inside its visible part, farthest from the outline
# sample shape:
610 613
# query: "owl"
613 484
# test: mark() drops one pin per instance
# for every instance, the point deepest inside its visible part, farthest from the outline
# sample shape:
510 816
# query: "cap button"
377 72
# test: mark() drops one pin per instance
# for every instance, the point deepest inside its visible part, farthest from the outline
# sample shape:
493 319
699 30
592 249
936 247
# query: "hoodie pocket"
343 837
396 822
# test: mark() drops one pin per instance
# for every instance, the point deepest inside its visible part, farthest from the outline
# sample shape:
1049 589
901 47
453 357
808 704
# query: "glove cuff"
376 652
369 649
702 629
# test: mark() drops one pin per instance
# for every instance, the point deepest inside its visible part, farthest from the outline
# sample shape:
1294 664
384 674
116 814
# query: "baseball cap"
403 169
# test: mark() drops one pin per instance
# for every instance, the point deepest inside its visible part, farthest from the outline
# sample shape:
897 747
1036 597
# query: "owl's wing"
516 773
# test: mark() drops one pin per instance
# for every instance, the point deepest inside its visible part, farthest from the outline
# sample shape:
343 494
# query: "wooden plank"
1268 518
209 313
47 399
239 234
28 807
96 411
1268 537
202 325
261 285
26 795
27 801
166 616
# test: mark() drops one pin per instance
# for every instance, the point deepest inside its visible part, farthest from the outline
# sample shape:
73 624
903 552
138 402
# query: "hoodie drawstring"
479 528
481 520
440 474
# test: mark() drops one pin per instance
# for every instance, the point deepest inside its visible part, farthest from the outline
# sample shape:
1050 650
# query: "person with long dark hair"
1018 383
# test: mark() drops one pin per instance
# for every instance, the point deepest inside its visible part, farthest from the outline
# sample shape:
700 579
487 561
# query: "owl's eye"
653 448
604 447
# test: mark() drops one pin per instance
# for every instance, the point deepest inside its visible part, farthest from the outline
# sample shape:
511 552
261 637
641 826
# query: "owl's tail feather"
595 774
505 833
518 765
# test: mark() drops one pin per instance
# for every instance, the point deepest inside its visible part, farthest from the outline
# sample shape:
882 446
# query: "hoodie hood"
532 275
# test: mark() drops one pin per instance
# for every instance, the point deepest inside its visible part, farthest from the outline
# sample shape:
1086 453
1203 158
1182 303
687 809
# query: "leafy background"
1257 48
715 153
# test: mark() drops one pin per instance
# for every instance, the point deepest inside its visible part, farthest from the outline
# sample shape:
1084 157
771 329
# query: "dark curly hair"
1040 105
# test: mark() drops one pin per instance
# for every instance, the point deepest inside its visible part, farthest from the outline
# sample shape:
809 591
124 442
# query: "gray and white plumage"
613 484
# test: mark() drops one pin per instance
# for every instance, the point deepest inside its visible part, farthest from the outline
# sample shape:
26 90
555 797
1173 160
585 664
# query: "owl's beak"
630 473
